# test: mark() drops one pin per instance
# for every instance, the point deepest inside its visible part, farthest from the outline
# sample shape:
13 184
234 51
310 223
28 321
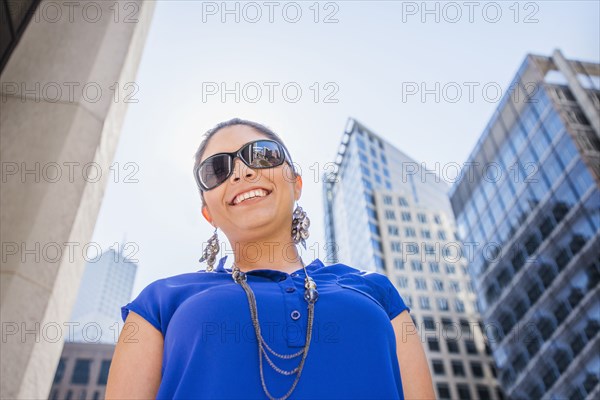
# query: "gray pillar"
50 124
580 94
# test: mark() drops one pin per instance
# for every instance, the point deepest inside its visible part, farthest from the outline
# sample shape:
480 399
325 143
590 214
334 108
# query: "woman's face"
257 217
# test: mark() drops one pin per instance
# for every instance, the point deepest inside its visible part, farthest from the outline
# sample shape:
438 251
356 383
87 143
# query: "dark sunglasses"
259 154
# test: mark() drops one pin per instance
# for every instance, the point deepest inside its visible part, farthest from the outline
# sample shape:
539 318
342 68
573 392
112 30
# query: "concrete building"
385 213
82 372
106 285
531 210
60 122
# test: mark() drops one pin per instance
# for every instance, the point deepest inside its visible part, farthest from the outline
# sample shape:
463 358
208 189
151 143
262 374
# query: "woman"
269 327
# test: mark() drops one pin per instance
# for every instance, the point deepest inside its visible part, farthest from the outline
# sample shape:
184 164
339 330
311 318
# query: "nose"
241 171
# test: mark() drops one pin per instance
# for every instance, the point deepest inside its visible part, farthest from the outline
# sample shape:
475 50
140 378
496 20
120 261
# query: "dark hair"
238 121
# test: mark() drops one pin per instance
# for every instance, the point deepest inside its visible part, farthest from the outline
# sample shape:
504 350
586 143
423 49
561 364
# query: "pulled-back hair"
238 121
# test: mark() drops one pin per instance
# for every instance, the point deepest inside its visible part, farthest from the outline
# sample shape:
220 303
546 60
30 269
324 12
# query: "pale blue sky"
368 55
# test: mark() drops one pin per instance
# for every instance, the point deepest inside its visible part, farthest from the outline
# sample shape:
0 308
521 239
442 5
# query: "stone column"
64 94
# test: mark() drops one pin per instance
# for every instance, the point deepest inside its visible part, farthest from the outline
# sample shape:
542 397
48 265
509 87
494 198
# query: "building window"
450 269
425 234
437 219
434 267
103 376
416 265
387 200
403 202
483 393
424 302
393 230
463 391
412 248
460 306
81 372
433 344
398 263
390 215
365 170
457 368
410 232
60 370
443 304
454 286
438 285
406 217
429 323
470 345
443 391
420 283
442 235
438 367
452 345
476 369
422 218
374 229
396 247
402 281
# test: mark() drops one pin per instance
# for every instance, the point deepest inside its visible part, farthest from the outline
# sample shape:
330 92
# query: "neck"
273 253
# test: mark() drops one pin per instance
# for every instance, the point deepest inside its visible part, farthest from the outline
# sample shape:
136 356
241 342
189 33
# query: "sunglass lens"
263 154
215 171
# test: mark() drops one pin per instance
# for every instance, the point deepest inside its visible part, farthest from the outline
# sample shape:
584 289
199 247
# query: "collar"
271 273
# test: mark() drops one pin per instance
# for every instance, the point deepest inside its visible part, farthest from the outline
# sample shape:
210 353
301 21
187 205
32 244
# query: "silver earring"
210 252
300 224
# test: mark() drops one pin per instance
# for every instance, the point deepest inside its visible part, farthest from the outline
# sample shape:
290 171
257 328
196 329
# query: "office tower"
530 209
106 285
385 213
82 371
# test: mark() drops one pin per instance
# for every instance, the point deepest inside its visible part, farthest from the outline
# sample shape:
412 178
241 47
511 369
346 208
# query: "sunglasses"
259 154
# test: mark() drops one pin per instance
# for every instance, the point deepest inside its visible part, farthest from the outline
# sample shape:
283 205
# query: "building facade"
82 372
51 51
106 285
385 213
531 210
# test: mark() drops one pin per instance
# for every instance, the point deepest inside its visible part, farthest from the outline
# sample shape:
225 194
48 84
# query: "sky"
303 69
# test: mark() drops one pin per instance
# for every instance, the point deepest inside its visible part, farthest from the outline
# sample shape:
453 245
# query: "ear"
298 188
207 215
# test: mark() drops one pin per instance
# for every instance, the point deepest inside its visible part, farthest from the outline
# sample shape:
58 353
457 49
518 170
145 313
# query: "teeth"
249 194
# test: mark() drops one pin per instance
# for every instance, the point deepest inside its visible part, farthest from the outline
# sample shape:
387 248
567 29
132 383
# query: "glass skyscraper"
530 209
384 213
106 284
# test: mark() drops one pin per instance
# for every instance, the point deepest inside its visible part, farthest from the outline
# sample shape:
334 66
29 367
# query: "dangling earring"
300 224
211 251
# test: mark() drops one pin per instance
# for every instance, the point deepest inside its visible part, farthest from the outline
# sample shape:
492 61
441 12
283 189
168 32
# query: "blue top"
210 347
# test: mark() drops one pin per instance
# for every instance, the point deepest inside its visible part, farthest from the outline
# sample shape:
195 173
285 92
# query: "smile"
250 194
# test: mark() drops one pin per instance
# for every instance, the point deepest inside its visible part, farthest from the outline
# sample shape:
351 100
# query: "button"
295 314
290 289
294 274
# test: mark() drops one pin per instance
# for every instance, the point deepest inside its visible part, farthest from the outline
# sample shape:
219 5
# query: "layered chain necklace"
310 295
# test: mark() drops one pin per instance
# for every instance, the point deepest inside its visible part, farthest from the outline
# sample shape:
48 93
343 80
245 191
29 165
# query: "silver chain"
240 278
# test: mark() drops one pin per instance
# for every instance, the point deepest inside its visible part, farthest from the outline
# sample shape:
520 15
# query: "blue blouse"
210 347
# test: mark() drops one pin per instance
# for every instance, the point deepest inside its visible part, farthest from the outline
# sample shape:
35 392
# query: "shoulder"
374 284
158 300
